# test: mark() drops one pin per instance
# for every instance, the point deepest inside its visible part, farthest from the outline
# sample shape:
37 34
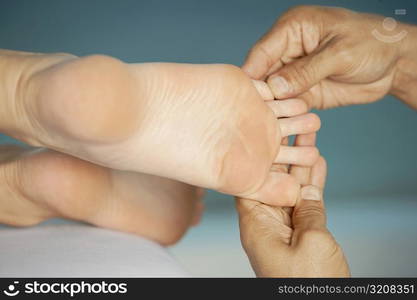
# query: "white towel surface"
78 250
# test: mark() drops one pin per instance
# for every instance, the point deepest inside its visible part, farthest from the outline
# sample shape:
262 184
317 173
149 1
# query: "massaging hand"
205 125
335 57
284 243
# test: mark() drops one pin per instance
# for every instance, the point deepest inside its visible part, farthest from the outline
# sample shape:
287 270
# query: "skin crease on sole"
202 124
41 184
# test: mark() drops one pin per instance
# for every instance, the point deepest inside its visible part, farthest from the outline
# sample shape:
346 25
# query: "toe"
279 189
288 108
263 89
301 156
303 124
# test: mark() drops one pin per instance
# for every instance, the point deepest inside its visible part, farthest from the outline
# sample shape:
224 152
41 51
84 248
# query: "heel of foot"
68 186
92 98
17 208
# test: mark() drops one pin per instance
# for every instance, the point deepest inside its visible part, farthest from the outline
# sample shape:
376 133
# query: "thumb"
309 211
301 74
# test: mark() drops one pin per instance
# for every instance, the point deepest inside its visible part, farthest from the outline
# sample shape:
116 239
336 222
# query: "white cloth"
78 250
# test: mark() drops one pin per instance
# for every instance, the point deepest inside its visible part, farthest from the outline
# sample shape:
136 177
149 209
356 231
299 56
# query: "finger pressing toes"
309 212
288 108
303 124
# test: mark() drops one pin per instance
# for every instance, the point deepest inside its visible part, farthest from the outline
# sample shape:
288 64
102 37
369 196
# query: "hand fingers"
265 53
309 212
314 190
284 42
262 227
246 206
329 93
303 73
303 124
288 108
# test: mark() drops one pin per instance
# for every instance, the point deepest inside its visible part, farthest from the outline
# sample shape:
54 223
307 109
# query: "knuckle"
301 9
299 13
343 53
259 49
311 211
300 75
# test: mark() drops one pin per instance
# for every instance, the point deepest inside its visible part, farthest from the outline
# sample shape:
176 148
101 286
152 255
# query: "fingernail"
280 86
311 192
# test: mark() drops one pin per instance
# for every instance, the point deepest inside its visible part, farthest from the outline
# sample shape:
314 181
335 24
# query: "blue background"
371 149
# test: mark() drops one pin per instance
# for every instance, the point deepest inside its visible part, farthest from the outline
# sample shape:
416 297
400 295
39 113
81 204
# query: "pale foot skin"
40 184
286 242
206 125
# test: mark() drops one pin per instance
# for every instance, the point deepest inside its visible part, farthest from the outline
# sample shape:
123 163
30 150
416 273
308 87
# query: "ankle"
17 70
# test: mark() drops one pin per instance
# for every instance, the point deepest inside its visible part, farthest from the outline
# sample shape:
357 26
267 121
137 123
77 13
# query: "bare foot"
41 184
206 125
